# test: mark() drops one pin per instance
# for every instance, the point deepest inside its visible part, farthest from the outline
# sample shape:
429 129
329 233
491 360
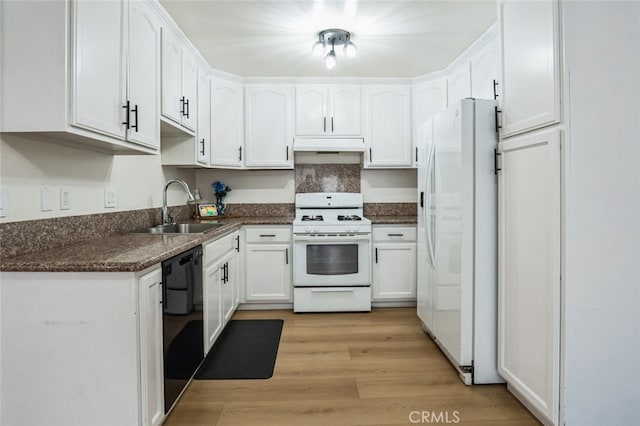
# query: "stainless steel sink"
179 228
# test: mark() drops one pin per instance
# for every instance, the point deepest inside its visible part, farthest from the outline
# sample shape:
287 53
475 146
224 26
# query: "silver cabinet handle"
267 235
395 235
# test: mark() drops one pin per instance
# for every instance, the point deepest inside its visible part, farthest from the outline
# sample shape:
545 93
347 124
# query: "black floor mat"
246 349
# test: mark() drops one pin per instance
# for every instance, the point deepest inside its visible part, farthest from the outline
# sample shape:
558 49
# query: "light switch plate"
65 199
46 199
110 198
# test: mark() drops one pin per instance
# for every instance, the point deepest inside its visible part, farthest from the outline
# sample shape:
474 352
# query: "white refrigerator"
457 237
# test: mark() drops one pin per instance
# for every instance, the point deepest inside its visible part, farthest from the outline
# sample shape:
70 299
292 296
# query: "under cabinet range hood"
328 145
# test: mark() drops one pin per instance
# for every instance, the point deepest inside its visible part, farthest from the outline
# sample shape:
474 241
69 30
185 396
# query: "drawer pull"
332 290
267 235
395 235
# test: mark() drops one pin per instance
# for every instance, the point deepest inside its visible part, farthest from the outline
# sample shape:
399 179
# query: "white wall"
602 274
29 163
249 186
278 186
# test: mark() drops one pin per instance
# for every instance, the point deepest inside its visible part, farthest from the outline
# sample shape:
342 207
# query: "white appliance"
457 237
331 253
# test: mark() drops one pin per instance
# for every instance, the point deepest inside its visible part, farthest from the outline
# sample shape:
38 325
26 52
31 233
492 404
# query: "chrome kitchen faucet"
166 219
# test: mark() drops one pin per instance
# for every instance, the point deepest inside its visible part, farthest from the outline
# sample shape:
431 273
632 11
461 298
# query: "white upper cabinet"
427 100
98 56
268 126
459 83
388 135
328 110
203 135
143 90
88 76
227 124
344 108
530 65
485 69
179 82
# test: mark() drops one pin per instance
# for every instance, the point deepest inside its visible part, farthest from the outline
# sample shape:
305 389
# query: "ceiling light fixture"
332 38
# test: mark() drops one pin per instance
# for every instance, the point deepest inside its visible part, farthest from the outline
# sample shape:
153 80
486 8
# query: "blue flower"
220 189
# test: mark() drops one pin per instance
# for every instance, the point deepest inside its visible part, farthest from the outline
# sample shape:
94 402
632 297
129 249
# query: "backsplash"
327 178
390 209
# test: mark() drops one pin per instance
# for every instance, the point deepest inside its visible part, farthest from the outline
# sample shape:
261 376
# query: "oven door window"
332 259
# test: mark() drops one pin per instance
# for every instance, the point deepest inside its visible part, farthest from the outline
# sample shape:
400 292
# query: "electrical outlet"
46 199
110 198
65 199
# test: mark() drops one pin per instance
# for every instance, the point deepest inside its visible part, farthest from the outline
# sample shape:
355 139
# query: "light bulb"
350 50
330 59
318 48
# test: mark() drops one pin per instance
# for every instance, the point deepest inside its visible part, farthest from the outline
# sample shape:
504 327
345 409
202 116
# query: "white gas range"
331 253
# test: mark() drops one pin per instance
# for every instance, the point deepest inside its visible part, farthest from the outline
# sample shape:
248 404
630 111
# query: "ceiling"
269 38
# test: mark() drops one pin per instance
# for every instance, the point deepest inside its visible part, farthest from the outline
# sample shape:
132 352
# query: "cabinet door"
171 77
459 84
389 121
529 268
345 118
226 124
235 265
530 65
227 288
212 309
267 272
98 83
427 100
203 138
189 91
268 125
394 271
485 68
151 347
311 110
144 76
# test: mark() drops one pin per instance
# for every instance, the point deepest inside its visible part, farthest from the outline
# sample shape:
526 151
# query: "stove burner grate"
314 218
349 217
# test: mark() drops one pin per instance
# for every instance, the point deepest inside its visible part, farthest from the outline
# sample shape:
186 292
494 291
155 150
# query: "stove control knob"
308 229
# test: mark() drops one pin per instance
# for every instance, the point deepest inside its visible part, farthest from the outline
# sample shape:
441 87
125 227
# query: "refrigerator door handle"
430 163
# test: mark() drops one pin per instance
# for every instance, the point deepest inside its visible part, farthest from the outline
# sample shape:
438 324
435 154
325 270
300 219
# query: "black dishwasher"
182 321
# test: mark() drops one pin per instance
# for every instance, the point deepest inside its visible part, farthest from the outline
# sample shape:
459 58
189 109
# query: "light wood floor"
375 368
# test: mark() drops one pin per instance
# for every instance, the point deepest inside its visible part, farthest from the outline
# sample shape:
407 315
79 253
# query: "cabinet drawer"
268 234
332 299
217 248
394 233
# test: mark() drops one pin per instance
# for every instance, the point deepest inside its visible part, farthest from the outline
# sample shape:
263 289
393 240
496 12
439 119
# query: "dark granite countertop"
125 252
132 252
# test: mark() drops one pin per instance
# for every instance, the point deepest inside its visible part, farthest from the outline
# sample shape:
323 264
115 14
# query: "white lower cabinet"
212 309
228 284
529 268
267 264
151 347
94 349
394 263
220 282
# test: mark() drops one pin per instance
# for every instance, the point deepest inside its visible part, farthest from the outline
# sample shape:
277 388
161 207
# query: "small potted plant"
220 190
